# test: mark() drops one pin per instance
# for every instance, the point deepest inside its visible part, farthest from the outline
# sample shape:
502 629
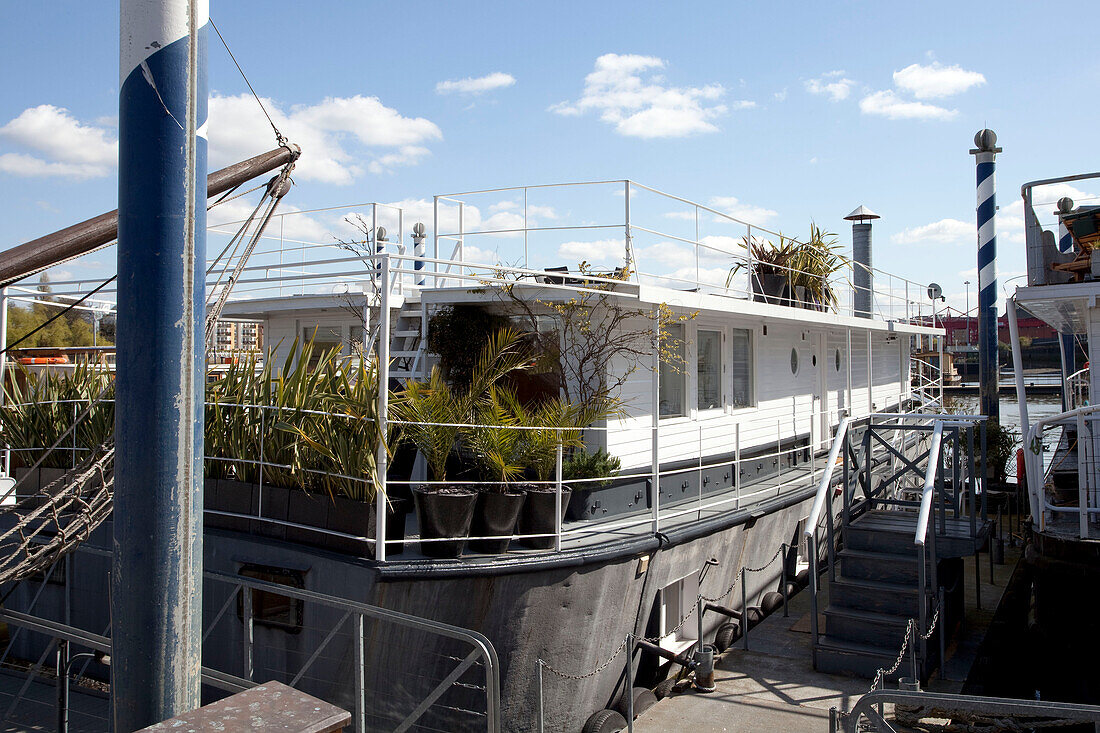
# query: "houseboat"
718 357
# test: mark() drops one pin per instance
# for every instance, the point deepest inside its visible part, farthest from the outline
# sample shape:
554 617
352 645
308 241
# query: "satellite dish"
380 234
418 229
935 291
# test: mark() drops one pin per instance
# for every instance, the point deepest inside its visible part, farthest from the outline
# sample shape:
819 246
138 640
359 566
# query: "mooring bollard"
704 668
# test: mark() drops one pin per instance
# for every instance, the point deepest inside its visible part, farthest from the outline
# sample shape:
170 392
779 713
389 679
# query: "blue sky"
779 113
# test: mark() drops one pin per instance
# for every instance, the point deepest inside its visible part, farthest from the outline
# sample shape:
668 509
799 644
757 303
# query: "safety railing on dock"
394 671
1076 388
1060 457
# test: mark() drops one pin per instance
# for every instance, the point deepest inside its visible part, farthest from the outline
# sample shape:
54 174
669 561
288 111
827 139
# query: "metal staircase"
909 509
408 341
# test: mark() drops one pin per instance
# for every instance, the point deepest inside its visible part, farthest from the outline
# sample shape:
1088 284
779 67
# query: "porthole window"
837 360
794 361
813 359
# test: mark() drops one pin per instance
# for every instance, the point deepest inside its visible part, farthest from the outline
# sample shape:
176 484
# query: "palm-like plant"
813 262
434 414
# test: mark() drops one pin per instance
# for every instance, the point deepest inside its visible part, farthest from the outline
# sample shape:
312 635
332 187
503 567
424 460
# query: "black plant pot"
495 514
444 513
538 517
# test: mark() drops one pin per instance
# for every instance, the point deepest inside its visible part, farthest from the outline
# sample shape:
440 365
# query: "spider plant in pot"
811 264
495 443
433 414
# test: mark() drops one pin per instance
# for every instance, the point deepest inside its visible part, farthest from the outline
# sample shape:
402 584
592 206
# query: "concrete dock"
773 687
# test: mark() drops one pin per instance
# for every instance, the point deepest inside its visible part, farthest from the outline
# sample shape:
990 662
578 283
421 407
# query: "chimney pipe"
862 278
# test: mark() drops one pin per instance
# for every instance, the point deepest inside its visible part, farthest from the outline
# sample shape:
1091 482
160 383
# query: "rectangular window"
271 609
672 378
708 345
741 388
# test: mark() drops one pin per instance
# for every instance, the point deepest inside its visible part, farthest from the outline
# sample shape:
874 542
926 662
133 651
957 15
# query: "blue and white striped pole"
156 580
985 157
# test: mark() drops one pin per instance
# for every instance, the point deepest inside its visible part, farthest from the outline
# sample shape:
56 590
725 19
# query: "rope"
278 135
53 318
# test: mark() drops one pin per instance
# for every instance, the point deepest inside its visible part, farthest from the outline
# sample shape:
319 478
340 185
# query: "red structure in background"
962 331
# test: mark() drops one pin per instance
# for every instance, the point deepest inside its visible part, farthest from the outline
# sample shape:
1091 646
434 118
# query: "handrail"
1033 449
827 477
869 704
929 484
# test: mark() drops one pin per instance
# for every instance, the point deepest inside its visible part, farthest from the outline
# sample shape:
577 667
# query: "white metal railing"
1085 451
1076 388
660 239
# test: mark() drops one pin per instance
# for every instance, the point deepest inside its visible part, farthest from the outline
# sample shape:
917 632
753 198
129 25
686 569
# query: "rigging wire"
278 135
53 318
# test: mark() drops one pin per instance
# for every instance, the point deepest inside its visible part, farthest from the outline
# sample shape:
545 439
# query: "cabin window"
272 609
709 368
741 391
324 340
838 360
794 361
672 379
677 601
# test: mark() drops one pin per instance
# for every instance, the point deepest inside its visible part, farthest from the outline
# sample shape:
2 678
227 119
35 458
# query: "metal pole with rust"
156 579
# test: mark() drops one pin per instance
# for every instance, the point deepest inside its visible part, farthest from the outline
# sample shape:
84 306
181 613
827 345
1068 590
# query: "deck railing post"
830 537
382 456
655 442
783 580
628 683
813 593
737 465
248 630
744 611
62 686
4 368
541 721
260 480
922 595
557 495
360 674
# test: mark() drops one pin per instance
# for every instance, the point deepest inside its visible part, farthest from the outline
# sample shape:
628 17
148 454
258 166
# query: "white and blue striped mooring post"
156 580
985 156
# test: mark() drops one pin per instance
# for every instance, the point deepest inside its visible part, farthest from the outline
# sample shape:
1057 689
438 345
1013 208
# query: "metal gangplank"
886 541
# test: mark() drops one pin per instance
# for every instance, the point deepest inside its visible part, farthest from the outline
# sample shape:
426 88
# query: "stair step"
875 595
394 354
873 565
402 333
865 626
842 656
899 541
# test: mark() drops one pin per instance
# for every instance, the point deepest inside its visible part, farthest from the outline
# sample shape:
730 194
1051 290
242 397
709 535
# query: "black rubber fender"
664 688
802 577
604 721
726 635
644 699
771 601
755 616
792 588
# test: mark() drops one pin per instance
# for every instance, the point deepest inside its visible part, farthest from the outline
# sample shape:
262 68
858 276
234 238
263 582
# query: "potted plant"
495 444
811 264
558 424
432 415
769 275
583 467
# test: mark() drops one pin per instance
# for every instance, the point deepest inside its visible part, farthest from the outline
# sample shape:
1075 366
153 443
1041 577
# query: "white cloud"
942 231
324 130
888 104
626 93
740 210
70 149
602 251
832 83
781 95
228 216
743 104
476 85
935 80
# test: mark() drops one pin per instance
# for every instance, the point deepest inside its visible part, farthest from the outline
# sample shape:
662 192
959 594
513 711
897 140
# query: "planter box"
322 513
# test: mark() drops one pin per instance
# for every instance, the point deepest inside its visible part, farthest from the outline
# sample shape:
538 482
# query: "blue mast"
156 581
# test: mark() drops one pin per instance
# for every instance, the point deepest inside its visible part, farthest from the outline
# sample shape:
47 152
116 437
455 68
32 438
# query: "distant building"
234 337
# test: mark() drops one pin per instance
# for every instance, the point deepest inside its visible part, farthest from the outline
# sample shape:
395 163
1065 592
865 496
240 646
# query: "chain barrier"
593 673
911 635
656 639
